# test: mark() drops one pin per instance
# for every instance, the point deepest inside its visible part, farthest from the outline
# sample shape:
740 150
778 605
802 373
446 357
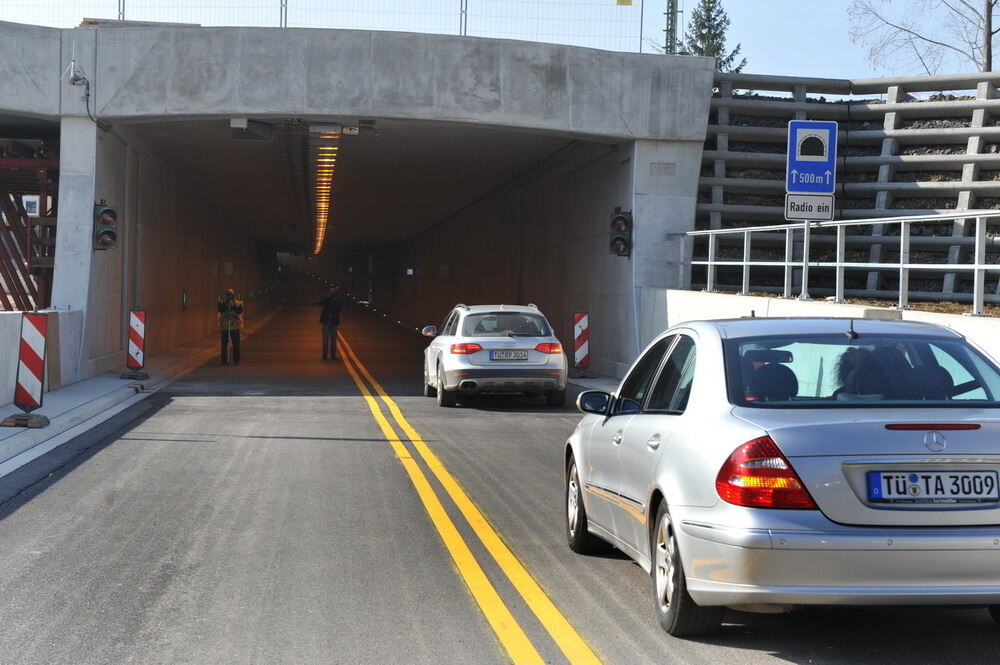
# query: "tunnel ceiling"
391 181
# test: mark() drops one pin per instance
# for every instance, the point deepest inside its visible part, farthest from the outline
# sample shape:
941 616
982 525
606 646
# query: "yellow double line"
511 635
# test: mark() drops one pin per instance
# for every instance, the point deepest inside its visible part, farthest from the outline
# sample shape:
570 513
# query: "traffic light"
105 227
621 234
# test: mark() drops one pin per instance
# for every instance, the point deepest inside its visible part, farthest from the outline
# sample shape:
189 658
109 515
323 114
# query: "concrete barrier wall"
681 306
60 324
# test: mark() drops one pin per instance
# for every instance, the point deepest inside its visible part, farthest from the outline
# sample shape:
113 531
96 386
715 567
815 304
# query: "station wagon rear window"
499 324
834 370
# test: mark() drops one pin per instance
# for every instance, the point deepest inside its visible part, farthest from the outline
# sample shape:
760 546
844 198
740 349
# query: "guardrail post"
979 271
804 295
789 253
841 252
710 268
745 289
904 271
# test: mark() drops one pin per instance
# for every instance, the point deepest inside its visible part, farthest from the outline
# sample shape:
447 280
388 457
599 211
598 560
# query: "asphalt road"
258 514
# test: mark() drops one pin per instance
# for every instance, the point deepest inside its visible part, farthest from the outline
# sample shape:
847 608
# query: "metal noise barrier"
30 385
136 359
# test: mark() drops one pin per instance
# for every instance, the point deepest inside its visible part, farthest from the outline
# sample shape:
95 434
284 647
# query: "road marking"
511 635
566 637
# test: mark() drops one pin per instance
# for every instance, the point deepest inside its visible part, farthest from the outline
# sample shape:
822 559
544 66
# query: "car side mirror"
429 331
594 401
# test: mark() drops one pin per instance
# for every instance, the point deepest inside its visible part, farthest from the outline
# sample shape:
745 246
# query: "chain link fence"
618 25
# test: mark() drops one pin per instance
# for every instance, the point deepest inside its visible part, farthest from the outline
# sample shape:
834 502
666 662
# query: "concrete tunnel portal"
474 170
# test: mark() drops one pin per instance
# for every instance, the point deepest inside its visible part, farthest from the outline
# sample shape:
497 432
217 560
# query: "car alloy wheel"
665 563
679 615
444 397
580 540
429 390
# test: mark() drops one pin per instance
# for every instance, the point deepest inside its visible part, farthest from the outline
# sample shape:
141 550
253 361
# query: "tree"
925 35
706 35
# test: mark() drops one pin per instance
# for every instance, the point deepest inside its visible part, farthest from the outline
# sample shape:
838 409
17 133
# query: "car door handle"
653 442
617 438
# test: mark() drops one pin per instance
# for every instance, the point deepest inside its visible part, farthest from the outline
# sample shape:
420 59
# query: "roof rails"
461 305
532 305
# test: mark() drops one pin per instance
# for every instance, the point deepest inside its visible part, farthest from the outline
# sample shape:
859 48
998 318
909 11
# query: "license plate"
508 355
933 486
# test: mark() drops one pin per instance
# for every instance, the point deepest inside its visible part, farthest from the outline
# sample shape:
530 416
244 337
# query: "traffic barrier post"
136 358
30 385
581 343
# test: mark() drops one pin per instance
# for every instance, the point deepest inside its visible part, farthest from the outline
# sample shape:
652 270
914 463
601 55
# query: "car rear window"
829 371
497 324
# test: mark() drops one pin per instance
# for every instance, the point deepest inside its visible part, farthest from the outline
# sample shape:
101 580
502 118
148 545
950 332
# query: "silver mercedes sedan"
762 464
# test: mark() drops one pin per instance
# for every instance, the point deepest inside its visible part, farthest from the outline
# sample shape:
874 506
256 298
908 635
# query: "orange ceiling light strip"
323 148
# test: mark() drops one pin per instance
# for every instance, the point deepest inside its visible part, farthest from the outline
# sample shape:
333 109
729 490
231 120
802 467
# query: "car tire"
995 612
679 615
445 397
429 390
579 539
556 398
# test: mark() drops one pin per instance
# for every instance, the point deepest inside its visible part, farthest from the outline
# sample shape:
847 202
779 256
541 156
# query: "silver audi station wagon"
494 349
767 463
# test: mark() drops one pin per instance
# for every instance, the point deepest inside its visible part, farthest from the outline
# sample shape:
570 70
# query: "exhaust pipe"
467 385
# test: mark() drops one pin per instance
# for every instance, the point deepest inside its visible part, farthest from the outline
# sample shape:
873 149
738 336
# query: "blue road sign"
811 167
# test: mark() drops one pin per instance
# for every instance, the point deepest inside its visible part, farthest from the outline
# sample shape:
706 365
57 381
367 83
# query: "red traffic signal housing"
620 243
105 227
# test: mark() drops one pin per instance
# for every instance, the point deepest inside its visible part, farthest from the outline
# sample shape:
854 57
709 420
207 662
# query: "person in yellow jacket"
230 325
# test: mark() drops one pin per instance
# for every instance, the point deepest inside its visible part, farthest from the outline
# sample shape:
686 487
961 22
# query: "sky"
778 37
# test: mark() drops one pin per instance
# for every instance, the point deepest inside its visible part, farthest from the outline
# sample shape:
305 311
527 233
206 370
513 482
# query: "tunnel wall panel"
542 240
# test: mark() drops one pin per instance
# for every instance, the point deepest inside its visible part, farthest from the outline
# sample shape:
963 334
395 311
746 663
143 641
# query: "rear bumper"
505 380
737 566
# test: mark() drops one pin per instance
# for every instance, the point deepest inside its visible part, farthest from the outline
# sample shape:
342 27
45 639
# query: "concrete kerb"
19 447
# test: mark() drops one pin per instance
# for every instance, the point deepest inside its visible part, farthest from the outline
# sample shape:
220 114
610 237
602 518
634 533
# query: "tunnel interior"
423 215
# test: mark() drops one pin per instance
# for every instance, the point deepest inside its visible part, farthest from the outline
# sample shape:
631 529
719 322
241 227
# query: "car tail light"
758 475
549 347
465 348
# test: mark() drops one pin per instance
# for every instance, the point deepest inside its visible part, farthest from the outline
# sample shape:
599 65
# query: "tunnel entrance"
421 214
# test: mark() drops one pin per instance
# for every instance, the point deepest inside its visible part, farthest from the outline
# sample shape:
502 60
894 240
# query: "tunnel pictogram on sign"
136 357
30 383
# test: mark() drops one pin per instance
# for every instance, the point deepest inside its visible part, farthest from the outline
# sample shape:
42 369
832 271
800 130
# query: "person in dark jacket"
330 318
230 325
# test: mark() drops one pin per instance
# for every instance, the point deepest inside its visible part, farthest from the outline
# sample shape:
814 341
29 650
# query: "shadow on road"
853 635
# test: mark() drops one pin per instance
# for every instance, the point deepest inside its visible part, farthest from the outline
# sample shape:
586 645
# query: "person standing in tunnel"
330 318
230 325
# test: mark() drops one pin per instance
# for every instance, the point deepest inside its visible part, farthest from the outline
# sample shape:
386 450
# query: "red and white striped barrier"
31 362
581 340
136 356
136 339
30 372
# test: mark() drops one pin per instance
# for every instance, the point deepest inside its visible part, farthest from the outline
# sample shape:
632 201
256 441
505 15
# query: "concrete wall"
30 65
299 72
681 306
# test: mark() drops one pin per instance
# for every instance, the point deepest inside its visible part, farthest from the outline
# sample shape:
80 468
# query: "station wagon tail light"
549 347
465 348
758 475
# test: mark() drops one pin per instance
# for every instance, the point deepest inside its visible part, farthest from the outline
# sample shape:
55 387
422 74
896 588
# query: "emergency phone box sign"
812 157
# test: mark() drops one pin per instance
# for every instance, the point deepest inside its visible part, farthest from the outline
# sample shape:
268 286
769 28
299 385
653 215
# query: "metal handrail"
979 267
